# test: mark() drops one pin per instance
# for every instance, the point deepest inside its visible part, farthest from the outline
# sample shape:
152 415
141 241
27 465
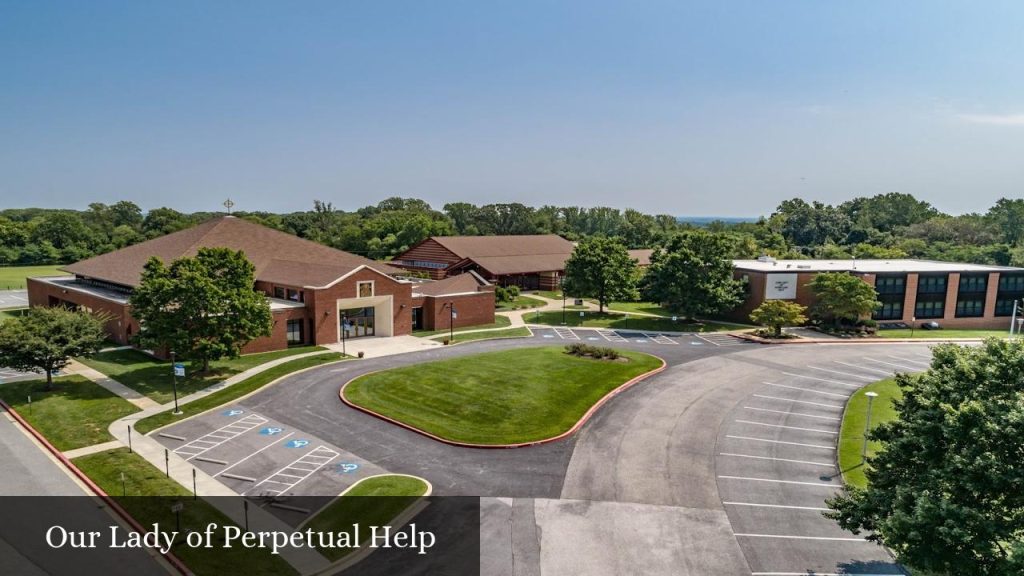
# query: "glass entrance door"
357 322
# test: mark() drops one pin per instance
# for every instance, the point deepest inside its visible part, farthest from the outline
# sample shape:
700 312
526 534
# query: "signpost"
177 507
451 321
179 370
867 426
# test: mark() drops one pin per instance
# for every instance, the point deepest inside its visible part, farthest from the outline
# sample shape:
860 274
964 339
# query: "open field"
621 322
73 415
503 397
13 277
155 378
851 436
519 303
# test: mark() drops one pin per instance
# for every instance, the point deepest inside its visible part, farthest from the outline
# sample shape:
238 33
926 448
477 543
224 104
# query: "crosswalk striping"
722 339
298 470
219 436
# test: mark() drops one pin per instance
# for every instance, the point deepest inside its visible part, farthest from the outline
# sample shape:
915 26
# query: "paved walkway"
378 346
138 399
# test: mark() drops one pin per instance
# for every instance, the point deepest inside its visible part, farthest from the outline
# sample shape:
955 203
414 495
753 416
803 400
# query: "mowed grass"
943 333
373 502
499 322
150 496
73 415
235 391
13 277
520 332
155 378
641 307
851 436
12 313
621 322
519 303
504 397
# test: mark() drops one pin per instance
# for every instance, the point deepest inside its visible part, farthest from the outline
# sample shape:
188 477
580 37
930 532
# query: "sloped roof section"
458 284
277 256
642 256
493 246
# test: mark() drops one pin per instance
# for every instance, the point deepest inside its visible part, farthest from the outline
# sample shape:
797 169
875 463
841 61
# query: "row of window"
422 264
289 294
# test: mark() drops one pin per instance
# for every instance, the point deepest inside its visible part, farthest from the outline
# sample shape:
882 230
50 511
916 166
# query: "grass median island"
943 333
235 391
519 302
76 413
154 378
851 435
375 501
149 498
506 397
13 277
499 322
622 322
520 332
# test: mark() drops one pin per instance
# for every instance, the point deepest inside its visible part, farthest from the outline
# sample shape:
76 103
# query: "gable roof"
458 284
277 256
526 245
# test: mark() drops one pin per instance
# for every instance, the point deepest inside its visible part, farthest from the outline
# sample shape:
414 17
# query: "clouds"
994 119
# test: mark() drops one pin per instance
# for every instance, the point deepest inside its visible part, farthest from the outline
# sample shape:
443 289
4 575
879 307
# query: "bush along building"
315 292
911 291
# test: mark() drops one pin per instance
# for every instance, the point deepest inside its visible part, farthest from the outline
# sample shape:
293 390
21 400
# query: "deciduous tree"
601 268
47 338
776 314
842 296
693 274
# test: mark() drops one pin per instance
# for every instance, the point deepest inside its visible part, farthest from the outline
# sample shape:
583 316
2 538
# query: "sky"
720 108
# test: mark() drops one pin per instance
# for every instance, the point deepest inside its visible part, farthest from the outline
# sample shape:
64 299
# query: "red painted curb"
174 560
579 423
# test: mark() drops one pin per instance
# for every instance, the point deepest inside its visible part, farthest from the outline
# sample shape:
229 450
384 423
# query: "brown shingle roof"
457 284
278 256
642 256
528 245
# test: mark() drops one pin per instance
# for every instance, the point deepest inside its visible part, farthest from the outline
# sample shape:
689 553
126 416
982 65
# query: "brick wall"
278 339
119 327
322 304
471 309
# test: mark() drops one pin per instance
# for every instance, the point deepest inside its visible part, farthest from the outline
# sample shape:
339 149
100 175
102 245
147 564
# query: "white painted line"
211 460
774 481
869 359
802 538
811 390
171 436
287 475
829 464
777 506
861 376
781 442
237 477
797 401
909 360
824 380
792 413
253 454
877 371
788 427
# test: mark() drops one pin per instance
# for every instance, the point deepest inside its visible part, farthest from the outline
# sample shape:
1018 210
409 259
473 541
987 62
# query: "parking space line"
312 454
869 378
253 454
909 360
797 401
611 336
661 339
869 359
828 464
807 390
566 334
774 481
786 536
832 448
792 413
886 372
850 384
788 427
777 506
193 448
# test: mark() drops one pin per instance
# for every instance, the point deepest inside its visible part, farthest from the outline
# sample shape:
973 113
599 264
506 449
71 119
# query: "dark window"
1011 288
1011 283
890 284
931 284
970 307
279 292
1004 307
295 295
930 308
973 283
295 332
890 311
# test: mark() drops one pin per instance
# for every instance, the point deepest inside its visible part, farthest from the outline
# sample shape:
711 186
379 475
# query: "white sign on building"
780 287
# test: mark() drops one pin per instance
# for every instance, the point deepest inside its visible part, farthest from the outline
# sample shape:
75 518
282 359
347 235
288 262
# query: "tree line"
890 225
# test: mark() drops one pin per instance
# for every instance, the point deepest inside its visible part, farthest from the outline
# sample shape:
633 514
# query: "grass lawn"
234 391
920 333
621 322
154 378
519 303
373 502
142 479
75 414
552 294
642 307
851 436
13 277
499 322
499 397
11 313
509 333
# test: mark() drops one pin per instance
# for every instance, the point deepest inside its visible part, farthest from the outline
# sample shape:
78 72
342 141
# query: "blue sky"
714 108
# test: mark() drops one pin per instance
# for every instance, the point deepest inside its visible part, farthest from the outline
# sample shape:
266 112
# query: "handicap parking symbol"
296 443
272 431
234 412
347 467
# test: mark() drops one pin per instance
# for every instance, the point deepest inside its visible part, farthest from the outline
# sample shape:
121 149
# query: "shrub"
584 350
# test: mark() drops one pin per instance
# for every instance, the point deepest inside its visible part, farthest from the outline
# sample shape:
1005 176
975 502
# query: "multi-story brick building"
314 291
952 294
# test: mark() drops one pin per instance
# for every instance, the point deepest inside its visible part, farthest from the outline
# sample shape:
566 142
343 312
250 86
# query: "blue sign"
271 431
347 467
296 443
234 412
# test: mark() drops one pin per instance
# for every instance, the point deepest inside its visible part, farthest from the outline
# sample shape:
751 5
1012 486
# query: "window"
295 295
890 284
973 283
422 264
1004 307
364 289
1011 283
931 284
970 307
1011 288
929 308
889 311
295 332
279 292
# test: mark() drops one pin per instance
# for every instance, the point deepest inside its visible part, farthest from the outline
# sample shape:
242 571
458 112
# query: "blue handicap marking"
347 467
234 412
296 443
272 431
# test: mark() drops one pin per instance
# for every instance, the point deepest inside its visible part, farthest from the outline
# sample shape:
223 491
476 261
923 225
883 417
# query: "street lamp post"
563 306
174 373
913 322
867 427
451 322
344 332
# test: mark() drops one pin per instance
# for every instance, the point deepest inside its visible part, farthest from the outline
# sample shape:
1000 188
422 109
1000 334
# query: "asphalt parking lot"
606 337
13 299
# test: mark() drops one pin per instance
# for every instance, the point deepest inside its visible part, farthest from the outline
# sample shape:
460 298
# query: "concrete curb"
575 427
769 342
498 338
99 493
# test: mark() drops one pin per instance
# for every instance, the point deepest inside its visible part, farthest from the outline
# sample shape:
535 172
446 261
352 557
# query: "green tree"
944 493
601 268
842 296
776 314
693 274
203 308
1008 217
47 338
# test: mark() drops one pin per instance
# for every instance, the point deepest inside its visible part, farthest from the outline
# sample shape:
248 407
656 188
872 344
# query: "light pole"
451 321
563 307
867 427
344 331
913 322
174 373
